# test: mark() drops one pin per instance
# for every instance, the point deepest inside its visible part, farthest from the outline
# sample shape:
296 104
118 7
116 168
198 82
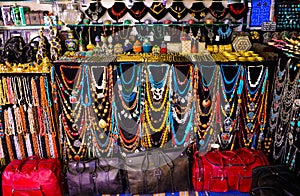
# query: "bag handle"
19 168
165 157
235 155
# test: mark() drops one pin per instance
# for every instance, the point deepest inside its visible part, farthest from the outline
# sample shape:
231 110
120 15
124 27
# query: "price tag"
217 38
167 38
151 38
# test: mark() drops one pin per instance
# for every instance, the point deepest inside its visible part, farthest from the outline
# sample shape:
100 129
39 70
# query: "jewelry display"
95 11
182 104
254 109
138 10
178 10
198 10
226 34
158 10
210 33
238 10
117 11
283 135
217 10
229 110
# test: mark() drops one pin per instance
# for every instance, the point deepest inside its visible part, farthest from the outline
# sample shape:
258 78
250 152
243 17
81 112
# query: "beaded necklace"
186 130
237 10
149 97
116 15
177 82
138 10
148 142
226 34
65 79
228 111
254 106
85 79
217 10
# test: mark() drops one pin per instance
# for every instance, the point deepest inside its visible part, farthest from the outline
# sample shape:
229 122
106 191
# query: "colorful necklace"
226 34
217 10
238 10
85 101
117 11
138 10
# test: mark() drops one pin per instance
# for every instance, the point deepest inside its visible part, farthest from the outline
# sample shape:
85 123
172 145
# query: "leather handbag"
32 176
274 180
221 171
95 176
158 171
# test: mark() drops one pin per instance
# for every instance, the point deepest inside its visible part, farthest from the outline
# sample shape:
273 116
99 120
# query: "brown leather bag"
96 176
158 171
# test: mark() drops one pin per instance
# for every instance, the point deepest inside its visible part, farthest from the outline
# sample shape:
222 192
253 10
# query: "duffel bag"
158 171
32 176
274 180
221 171
95 176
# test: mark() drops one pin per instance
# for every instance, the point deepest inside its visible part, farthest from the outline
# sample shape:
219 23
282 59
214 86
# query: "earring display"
95 11
178 10
198 10
288 15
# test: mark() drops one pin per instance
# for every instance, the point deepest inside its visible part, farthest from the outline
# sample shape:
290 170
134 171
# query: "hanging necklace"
228 111
65 79
258 78
85 101
225 34
210 33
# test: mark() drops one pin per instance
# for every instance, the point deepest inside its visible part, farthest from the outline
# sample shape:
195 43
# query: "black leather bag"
274 180
96 176
158 171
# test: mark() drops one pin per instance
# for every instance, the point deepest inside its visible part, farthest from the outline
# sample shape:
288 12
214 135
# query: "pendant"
225 137
227 124
251 115
101 135
77 157
77 143
206 103
102 124
252 106
249 126
73 99
75 127
227 108
249 136
201 142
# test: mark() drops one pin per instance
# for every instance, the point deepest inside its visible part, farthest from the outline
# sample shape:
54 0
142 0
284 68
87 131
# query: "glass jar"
71 15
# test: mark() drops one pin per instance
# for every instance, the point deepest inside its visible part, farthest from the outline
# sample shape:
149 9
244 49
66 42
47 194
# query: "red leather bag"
32 177
221 171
